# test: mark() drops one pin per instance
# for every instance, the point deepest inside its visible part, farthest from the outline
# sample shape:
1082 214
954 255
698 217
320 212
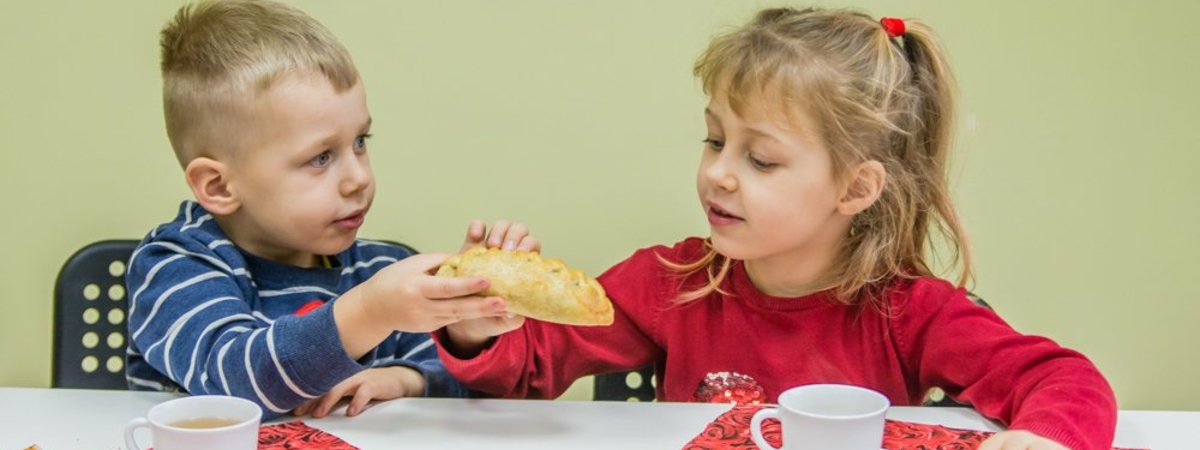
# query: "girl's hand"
382 383
505 235
1019 440
469 337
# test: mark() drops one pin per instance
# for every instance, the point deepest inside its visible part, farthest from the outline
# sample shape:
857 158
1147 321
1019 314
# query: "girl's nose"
717 170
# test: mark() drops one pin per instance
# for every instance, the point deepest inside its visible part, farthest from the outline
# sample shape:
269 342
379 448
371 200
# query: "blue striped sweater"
208 318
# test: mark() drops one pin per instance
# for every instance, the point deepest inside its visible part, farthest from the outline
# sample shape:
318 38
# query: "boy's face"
301 173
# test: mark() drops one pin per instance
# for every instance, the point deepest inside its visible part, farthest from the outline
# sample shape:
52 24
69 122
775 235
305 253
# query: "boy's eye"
714 144
361 142
321 160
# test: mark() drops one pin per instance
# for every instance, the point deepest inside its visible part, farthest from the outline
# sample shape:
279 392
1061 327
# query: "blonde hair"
875 98
218 54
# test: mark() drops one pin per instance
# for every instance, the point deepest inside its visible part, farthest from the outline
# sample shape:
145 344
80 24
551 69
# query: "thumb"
425 262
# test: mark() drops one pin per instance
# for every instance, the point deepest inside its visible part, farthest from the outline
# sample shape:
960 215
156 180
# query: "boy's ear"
863 188
209 181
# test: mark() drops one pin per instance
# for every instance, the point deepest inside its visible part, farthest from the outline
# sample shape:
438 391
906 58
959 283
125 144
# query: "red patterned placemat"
731 430
298 436
292 436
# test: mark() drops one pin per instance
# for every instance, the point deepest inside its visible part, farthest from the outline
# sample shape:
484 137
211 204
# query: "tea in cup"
200 422
826 417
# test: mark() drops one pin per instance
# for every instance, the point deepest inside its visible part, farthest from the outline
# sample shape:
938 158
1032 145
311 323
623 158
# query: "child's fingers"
499 230
360 400
1019 440
421 262
304 408
453 287
327 402
516 233
529 244
475 234
454 310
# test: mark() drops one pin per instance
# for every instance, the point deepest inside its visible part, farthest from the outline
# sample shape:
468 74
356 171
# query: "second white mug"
826 417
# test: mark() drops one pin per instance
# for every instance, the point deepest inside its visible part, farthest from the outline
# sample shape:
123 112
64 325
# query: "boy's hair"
874 97
216 55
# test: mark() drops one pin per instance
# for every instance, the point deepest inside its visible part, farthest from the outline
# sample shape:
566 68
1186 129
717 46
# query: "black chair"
632 386
90 302
90 305
638 385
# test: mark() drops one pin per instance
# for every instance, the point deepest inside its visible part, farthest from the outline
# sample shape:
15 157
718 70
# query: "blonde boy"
259 288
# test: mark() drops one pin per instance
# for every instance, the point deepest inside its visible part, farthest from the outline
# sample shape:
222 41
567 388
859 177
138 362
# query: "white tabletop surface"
66 419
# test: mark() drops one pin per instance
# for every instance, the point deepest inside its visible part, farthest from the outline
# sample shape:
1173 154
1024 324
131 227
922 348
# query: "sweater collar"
744 289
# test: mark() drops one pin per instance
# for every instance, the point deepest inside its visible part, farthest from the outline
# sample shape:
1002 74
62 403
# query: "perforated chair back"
629 386
90 304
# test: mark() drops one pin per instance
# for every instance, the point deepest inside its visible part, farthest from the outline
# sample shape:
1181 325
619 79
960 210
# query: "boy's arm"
190 321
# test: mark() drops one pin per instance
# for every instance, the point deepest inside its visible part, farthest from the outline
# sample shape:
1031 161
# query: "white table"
66 419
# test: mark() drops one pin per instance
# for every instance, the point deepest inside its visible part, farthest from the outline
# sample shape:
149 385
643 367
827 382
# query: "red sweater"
933 336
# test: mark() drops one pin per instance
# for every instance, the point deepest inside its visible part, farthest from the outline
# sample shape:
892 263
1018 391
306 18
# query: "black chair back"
632 386
90 304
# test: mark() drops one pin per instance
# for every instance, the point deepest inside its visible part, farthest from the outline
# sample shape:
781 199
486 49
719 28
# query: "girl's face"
766 183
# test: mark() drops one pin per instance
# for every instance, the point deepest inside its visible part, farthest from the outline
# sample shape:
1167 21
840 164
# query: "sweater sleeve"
417 351
1028 382
189 319
542 360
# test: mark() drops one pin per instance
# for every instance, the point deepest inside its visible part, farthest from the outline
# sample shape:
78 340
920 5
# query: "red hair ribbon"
893 26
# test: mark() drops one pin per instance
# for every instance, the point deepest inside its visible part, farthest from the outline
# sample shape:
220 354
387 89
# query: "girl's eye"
360 142
321 160
760 164
714 144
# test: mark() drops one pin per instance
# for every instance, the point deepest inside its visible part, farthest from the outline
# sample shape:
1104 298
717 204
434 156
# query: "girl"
823 177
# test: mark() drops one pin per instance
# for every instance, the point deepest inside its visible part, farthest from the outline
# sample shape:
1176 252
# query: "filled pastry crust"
543 289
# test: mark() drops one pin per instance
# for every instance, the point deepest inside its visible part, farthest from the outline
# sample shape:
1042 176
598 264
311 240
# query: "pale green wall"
1075 174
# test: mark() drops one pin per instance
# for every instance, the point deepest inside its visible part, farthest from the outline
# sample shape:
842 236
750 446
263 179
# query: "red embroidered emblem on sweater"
730 387
309 307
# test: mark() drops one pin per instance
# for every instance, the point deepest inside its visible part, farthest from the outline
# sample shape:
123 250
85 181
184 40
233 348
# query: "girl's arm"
1028 382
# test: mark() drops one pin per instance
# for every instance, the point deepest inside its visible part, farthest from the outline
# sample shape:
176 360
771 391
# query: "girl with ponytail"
823 175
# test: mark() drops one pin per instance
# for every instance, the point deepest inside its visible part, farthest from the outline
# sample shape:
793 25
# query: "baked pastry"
544 289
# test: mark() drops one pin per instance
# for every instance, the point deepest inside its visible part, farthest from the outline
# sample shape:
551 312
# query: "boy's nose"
357 177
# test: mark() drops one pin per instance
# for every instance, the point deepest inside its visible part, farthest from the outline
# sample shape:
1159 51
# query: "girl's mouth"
718 216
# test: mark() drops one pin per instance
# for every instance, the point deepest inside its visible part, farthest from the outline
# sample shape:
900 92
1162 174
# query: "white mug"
201 422
826 417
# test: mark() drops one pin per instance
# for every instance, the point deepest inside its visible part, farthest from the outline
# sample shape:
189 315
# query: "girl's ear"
863 188
209 182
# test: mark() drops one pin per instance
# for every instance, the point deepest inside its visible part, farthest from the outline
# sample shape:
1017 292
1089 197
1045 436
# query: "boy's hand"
382 383
410 298
405 296
1019 440
505 235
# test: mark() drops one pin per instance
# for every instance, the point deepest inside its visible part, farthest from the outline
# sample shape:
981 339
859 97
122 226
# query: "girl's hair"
874 97
216 54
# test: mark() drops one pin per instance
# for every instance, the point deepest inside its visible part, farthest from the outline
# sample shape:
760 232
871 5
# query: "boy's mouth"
352 221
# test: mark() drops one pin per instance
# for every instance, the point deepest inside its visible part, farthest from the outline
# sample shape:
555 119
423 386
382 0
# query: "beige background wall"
1076 168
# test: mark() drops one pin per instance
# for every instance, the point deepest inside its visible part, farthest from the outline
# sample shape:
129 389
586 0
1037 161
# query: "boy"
267 116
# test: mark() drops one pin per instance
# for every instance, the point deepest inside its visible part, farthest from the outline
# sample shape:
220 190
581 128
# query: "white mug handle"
134 424
756 426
